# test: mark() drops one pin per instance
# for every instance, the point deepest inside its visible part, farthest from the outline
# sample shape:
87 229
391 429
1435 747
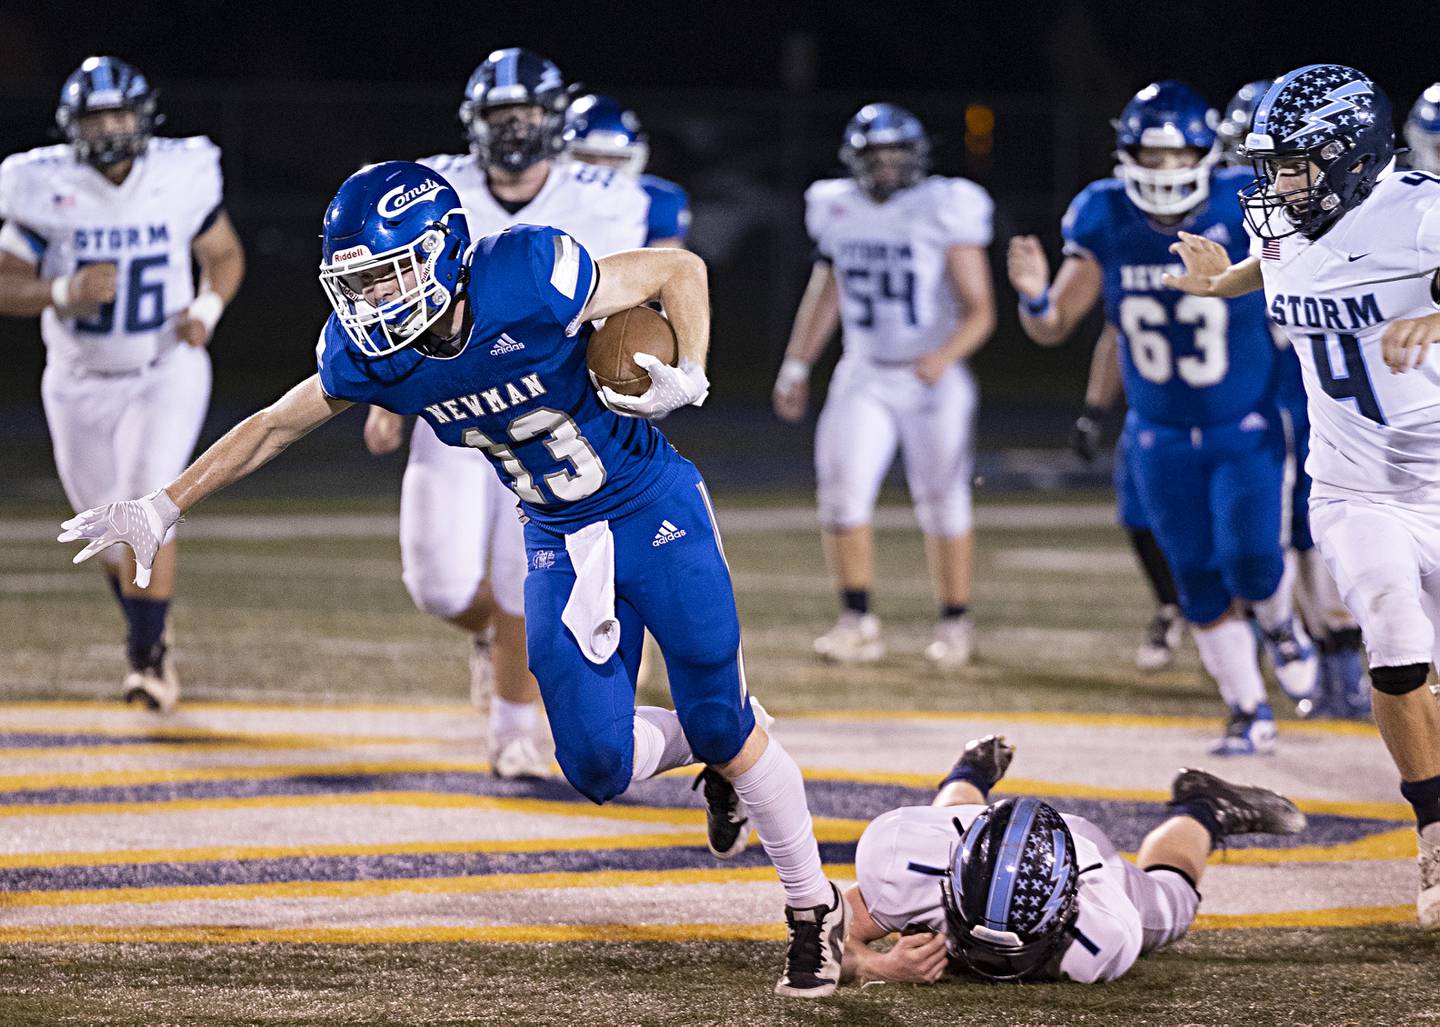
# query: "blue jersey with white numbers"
519 390
1186 360
669 209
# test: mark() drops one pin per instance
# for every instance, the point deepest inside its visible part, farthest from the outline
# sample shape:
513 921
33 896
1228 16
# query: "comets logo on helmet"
394 221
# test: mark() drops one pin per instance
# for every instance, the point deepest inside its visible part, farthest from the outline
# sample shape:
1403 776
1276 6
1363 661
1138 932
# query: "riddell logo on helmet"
398 200
350 254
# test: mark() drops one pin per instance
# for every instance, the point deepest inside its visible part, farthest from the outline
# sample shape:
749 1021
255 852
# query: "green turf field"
277 622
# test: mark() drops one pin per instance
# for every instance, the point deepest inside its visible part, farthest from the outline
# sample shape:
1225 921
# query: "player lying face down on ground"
620 533
1017 891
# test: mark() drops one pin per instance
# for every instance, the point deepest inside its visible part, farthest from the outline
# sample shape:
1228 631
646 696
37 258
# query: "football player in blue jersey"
1344 690
620 534
599 130
1422 131
1209 450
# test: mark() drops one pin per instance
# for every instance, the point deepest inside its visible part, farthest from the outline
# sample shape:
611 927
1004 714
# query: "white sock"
510 720
660 743
774 796
1275 612
1227 652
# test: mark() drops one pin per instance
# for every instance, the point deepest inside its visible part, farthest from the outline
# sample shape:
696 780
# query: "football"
611 355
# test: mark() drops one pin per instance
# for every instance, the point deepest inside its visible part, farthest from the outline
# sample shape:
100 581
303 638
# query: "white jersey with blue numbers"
519 391
1370 430
896 299
603 210
1186 361
903 854
61 214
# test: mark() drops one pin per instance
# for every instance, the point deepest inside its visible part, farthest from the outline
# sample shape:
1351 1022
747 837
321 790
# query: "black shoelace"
804 954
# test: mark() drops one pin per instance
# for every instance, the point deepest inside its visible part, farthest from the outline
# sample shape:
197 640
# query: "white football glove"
140 523
670 389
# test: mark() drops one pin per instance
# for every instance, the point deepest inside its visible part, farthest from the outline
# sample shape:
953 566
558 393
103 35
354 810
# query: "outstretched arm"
1208 271
915 958
143 523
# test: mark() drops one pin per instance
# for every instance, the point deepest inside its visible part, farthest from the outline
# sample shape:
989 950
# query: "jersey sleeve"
1083 227
564 273
1427 238
900 886
335 364
207 183
669 215
817 204
966 214
18 238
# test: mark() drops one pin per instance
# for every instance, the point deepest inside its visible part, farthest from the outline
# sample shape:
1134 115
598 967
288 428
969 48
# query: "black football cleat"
726 826
1237 809
816 950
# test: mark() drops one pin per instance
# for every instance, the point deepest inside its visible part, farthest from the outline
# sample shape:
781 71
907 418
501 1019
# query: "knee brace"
1399 680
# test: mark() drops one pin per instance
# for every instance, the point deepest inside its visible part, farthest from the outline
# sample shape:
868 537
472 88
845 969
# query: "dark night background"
743 103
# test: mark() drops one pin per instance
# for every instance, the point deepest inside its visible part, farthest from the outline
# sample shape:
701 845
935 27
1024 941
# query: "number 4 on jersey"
1352 380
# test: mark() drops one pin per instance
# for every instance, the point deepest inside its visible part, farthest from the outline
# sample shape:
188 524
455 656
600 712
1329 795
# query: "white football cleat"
157 688
482 671
954 643
1297 664
517 759
855 638
1247 734
1427 903
816 949
1162 637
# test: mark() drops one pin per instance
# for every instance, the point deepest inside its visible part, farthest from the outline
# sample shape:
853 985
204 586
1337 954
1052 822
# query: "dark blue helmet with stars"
1011 896
1321 136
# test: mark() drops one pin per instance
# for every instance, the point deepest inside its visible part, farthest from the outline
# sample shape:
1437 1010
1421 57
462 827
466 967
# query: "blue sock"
1202 814
1424 796
971 776
145 645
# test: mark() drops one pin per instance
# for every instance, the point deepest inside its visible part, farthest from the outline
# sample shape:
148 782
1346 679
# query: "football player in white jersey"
1347 251
98 239
461 546
901 264
1017 891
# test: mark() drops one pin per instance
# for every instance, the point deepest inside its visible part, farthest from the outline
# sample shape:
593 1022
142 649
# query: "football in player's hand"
611 355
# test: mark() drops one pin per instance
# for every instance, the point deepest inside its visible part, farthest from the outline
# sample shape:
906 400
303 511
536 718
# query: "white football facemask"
379 330
1167 192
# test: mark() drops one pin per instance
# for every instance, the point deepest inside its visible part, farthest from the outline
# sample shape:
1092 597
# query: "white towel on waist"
590 611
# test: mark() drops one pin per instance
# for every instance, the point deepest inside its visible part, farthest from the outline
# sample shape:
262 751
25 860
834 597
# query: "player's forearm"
685 295
860 963
24 295
1050 327
1103 388
223 274
817 318
970 334
1238 279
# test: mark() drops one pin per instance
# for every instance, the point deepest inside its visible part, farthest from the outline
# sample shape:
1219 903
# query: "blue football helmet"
106 84
1167 115
393 254
886 149
601 131
1337 122
1235 123
1011 895
1422 131
515 78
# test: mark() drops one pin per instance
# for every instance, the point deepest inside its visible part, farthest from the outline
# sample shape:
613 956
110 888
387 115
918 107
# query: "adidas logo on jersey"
667 533
505 345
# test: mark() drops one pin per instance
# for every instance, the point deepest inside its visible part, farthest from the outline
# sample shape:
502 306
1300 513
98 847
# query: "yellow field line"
1058 718
691 835
386 887
1359 916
